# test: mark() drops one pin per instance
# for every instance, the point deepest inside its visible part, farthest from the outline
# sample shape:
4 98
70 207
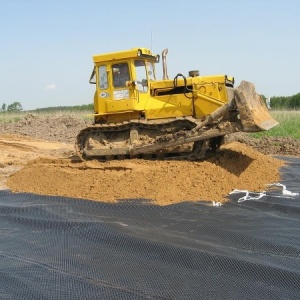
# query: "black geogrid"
62 248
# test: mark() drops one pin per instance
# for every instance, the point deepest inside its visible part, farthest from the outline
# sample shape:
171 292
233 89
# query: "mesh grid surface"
63 248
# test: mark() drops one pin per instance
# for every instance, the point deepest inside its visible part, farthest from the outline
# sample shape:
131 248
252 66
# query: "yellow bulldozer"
185 117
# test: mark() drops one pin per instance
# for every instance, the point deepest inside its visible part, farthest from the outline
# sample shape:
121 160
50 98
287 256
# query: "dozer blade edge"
254 114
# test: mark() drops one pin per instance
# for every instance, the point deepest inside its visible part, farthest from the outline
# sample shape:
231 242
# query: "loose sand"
37 156
163 182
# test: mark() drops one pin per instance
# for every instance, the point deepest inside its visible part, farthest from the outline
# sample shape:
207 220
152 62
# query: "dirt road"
36 156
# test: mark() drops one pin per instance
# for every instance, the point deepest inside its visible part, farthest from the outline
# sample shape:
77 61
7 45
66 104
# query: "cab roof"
125 54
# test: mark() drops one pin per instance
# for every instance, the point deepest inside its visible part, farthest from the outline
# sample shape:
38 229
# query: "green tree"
15 106
280 102
3 108
295 101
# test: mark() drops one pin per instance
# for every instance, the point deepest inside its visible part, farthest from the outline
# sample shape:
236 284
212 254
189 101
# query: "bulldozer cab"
122 82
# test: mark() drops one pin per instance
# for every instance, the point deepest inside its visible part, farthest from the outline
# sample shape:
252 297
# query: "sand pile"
236 166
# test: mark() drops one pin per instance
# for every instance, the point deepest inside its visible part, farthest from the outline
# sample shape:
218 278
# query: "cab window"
103 81
120 74
150 71
141 76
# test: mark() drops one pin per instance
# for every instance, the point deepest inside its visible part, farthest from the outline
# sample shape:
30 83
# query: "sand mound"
236 166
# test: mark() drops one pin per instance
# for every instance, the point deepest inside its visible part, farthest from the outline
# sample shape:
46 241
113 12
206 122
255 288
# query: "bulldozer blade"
253 112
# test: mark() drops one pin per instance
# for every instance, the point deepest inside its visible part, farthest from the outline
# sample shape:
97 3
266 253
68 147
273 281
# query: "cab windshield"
150 70
144 73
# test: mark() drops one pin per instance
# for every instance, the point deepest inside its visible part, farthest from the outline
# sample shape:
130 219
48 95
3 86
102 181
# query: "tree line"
17 107
13 107
289 102
77 108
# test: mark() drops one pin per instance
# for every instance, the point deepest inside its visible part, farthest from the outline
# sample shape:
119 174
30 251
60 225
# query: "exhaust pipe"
164 64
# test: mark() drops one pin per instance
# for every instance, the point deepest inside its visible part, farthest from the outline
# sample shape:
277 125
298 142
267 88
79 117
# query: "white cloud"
51 86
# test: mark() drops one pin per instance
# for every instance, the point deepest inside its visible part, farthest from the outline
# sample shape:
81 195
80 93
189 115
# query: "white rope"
247 196
284 190
263 193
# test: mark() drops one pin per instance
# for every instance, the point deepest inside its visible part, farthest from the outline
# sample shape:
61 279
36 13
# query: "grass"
289 125
10 117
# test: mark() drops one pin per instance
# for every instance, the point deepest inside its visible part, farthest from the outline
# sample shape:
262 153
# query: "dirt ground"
37 156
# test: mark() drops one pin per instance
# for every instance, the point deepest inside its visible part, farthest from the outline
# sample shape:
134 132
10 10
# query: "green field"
289 125
10 117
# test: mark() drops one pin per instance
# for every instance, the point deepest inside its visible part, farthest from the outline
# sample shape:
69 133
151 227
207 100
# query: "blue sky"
46 47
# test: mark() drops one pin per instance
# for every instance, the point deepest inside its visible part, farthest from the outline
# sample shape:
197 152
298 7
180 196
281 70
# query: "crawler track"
114 141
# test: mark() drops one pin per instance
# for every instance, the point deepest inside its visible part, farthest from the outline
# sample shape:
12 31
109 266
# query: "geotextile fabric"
64 248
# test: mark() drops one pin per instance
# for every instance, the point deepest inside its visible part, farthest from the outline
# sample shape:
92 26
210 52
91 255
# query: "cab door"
121 99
